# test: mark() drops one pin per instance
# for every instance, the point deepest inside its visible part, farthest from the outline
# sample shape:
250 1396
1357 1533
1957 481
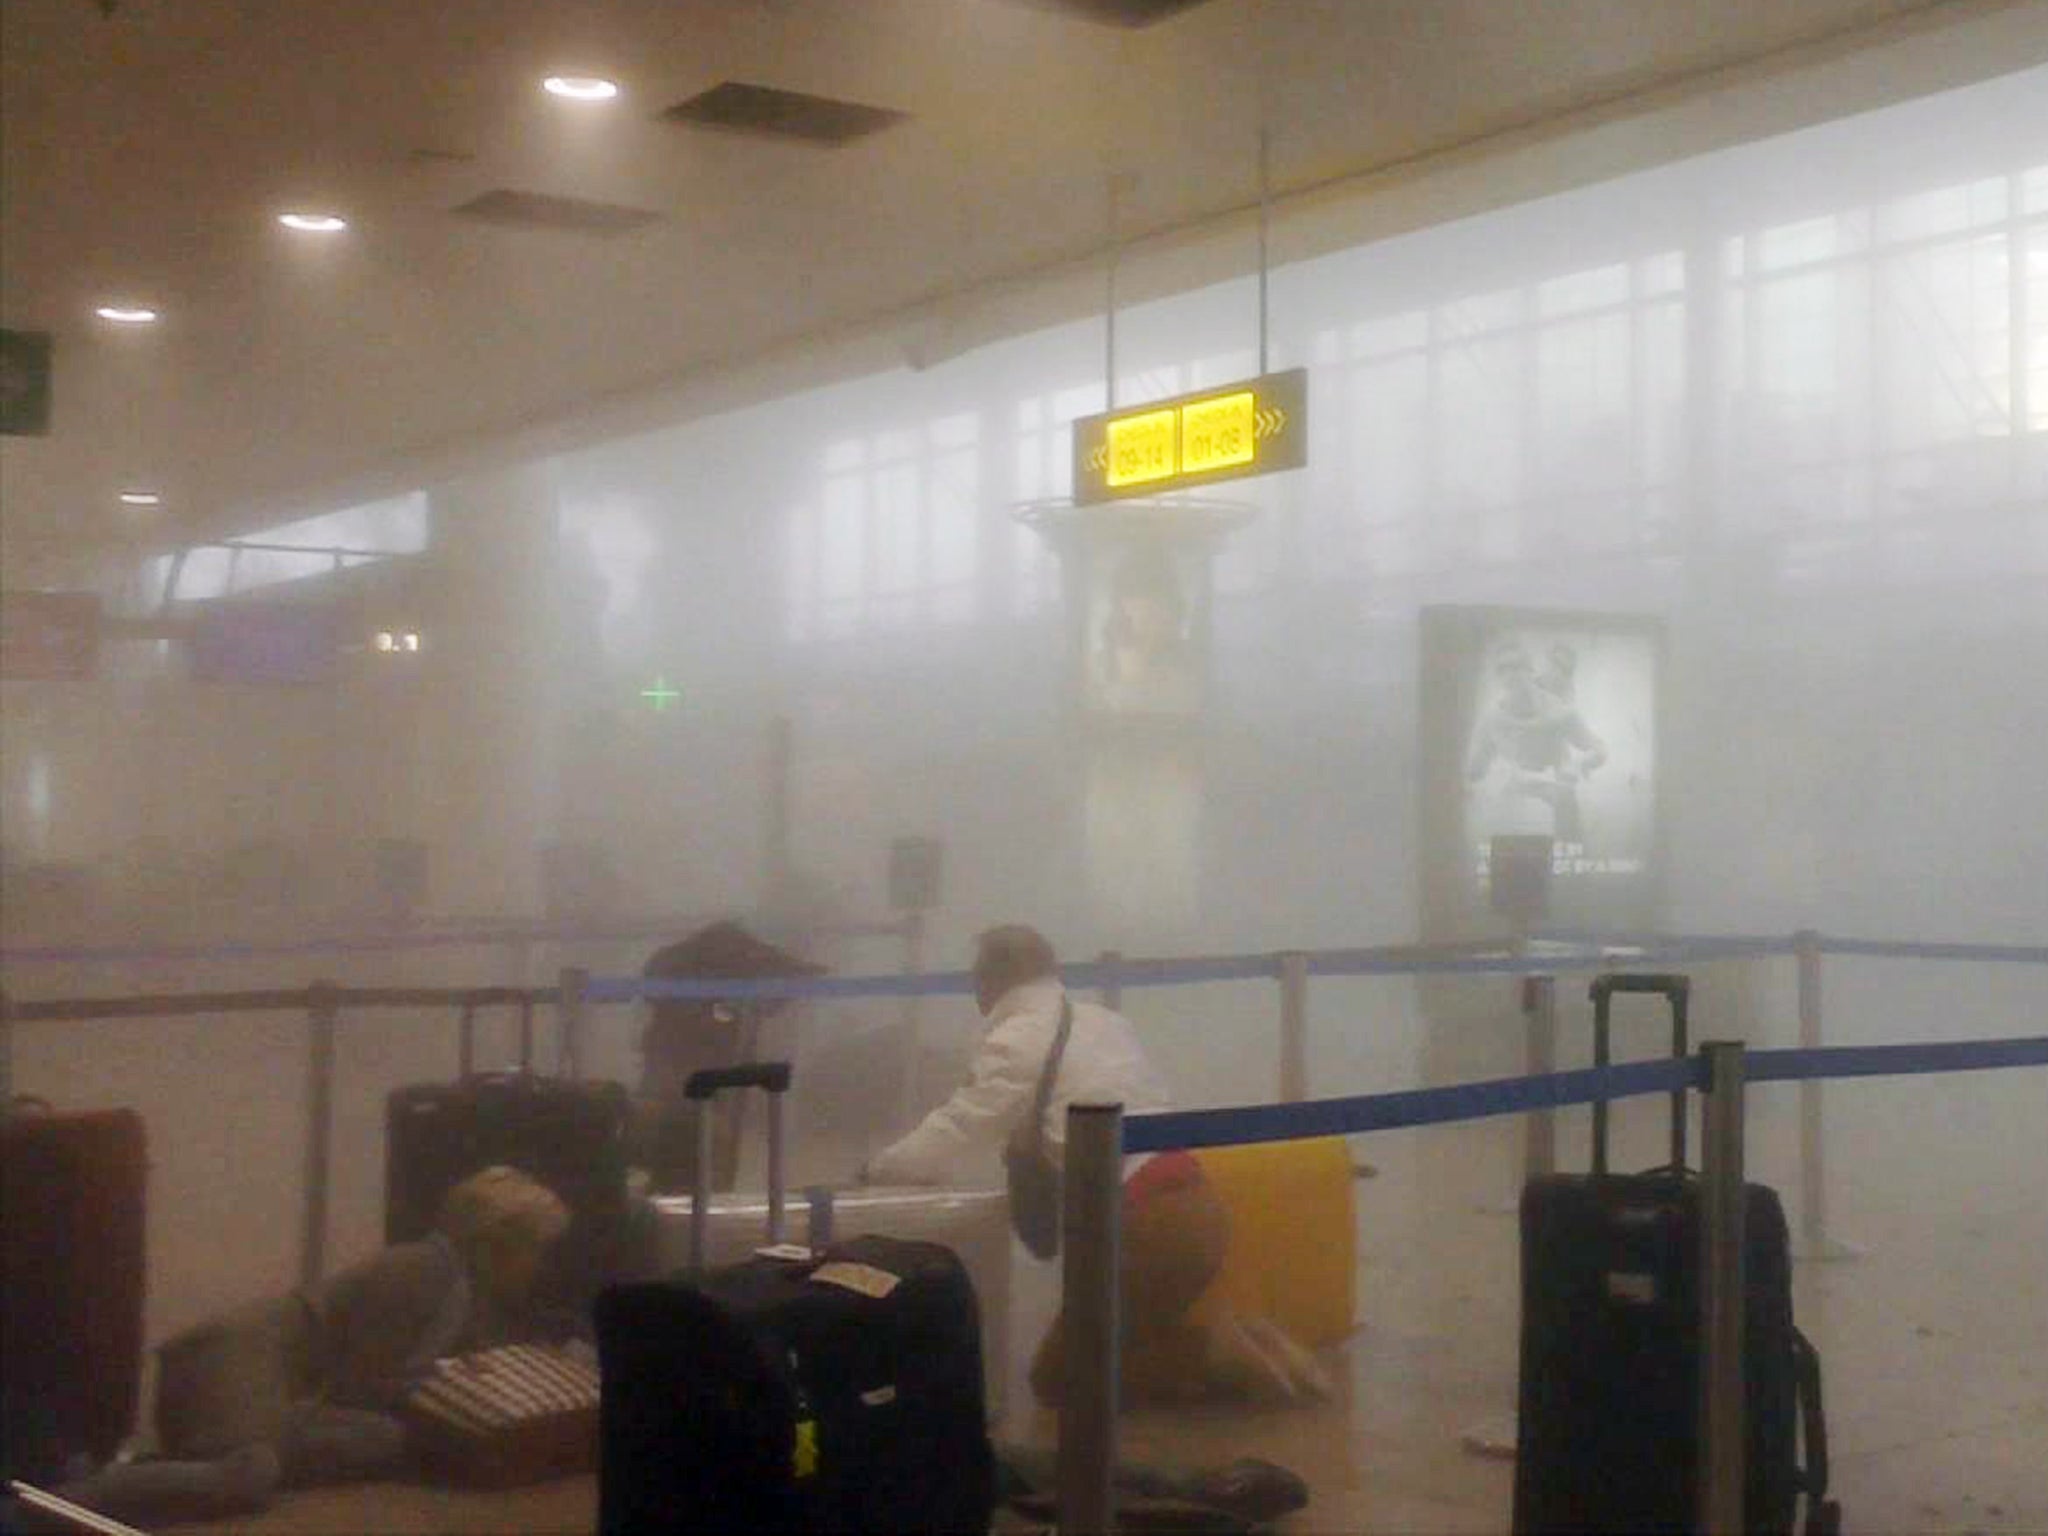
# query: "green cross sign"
661 695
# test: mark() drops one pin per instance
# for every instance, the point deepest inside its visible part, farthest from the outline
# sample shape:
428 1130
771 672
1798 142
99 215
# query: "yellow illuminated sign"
1251 428
1141 448
1217 434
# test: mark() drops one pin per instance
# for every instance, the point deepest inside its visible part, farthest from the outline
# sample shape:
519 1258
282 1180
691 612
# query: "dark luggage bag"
571 1136
72 1271
1610 1356
814 1391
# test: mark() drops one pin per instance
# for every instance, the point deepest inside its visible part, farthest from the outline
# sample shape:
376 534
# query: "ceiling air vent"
539 210
1116 13
766 112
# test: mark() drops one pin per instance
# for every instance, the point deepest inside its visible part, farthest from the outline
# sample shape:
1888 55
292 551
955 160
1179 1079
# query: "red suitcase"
71 1286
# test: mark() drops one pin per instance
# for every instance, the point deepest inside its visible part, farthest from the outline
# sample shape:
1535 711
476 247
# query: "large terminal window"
892 540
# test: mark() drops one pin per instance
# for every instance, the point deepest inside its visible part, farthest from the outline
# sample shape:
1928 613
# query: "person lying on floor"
306 1389
1177 1345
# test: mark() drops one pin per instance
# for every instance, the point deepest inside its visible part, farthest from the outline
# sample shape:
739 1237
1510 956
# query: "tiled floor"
1935 1341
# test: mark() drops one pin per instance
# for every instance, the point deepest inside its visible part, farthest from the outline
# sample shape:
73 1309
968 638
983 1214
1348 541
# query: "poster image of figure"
1143 652
1561 744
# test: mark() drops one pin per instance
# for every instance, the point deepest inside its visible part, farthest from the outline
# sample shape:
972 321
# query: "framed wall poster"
1542 724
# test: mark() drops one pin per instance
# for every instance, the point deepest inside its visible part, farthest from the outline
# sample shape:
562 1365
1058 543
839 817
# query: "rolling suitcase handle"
1676 989
772 1077
467 1027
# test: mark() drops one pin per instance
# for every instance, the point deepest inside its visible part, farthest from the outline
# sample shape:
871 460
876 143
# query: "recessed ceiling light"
141 499
313 223
126 314
581 87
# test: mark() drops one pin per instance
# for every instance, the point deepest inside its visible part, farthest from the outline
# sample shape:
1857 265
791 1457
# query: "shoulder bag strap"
1036 1140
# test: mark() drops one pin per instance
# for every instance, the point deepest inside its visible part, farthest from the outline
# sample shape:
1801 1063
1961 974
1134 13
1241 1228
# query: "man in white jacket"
1175 1229
1017 985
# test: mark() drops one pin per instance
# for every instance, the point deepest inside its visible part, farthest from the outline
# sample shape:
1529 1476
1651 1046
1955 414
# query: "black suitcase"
815 1391
572 1136
1610 1356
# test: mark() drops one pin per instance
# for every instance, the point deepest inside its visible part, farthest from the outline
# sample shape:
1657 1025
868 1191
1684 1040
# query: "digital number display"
1141 448
1216 434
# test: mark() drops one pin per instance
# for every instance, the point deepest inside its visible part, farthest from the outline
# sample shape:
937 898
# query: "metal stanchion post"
701 1179
1813 1168
1498 1435
569 1009
778 1175
1509 1202
1293 1027
1812 1172
1112 989
1539 1022
913 1020
1087 1428
323 1009
1723 1202
6 1052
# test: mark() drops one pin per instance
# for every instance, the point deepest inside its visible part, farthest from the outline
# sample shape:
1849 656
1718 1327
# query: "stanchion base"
1827 1250
1493 1438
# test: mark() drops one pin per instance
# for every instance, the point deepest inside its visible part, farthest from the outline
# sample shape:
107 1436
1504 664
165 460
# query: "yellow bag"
1293 1254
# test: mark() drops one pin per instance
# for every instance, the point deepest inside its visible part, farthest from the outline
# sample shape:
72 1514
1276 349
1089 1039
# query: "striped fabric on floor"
498 1389
518 1414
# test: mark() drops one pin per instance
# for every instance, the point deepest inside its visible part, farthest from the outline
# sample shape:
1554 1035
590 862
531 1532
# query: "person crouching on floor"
1176 1346
306 1389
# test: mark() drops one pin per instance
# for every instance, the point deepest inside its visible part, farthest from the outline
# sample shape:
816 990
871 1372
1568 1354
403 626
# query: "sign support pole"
1265 227
1109 313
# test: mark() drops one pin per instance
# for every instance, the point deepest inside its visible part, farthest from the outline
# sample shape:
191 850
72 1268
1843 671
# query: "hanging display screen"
1253 428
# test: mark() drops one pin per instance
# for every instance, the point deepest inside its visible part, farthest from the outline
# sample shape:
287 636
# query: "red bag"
71 1285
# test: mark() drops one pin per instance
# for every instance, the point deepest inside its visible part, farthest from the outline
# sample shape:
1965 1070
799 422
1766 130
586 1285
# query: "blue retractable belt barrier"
2023 954
1419 1106
1158 973
1594 951
625 989
1130 973
1895 1060
77 955
1173 973
1366 962
1729 946
1187 1129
